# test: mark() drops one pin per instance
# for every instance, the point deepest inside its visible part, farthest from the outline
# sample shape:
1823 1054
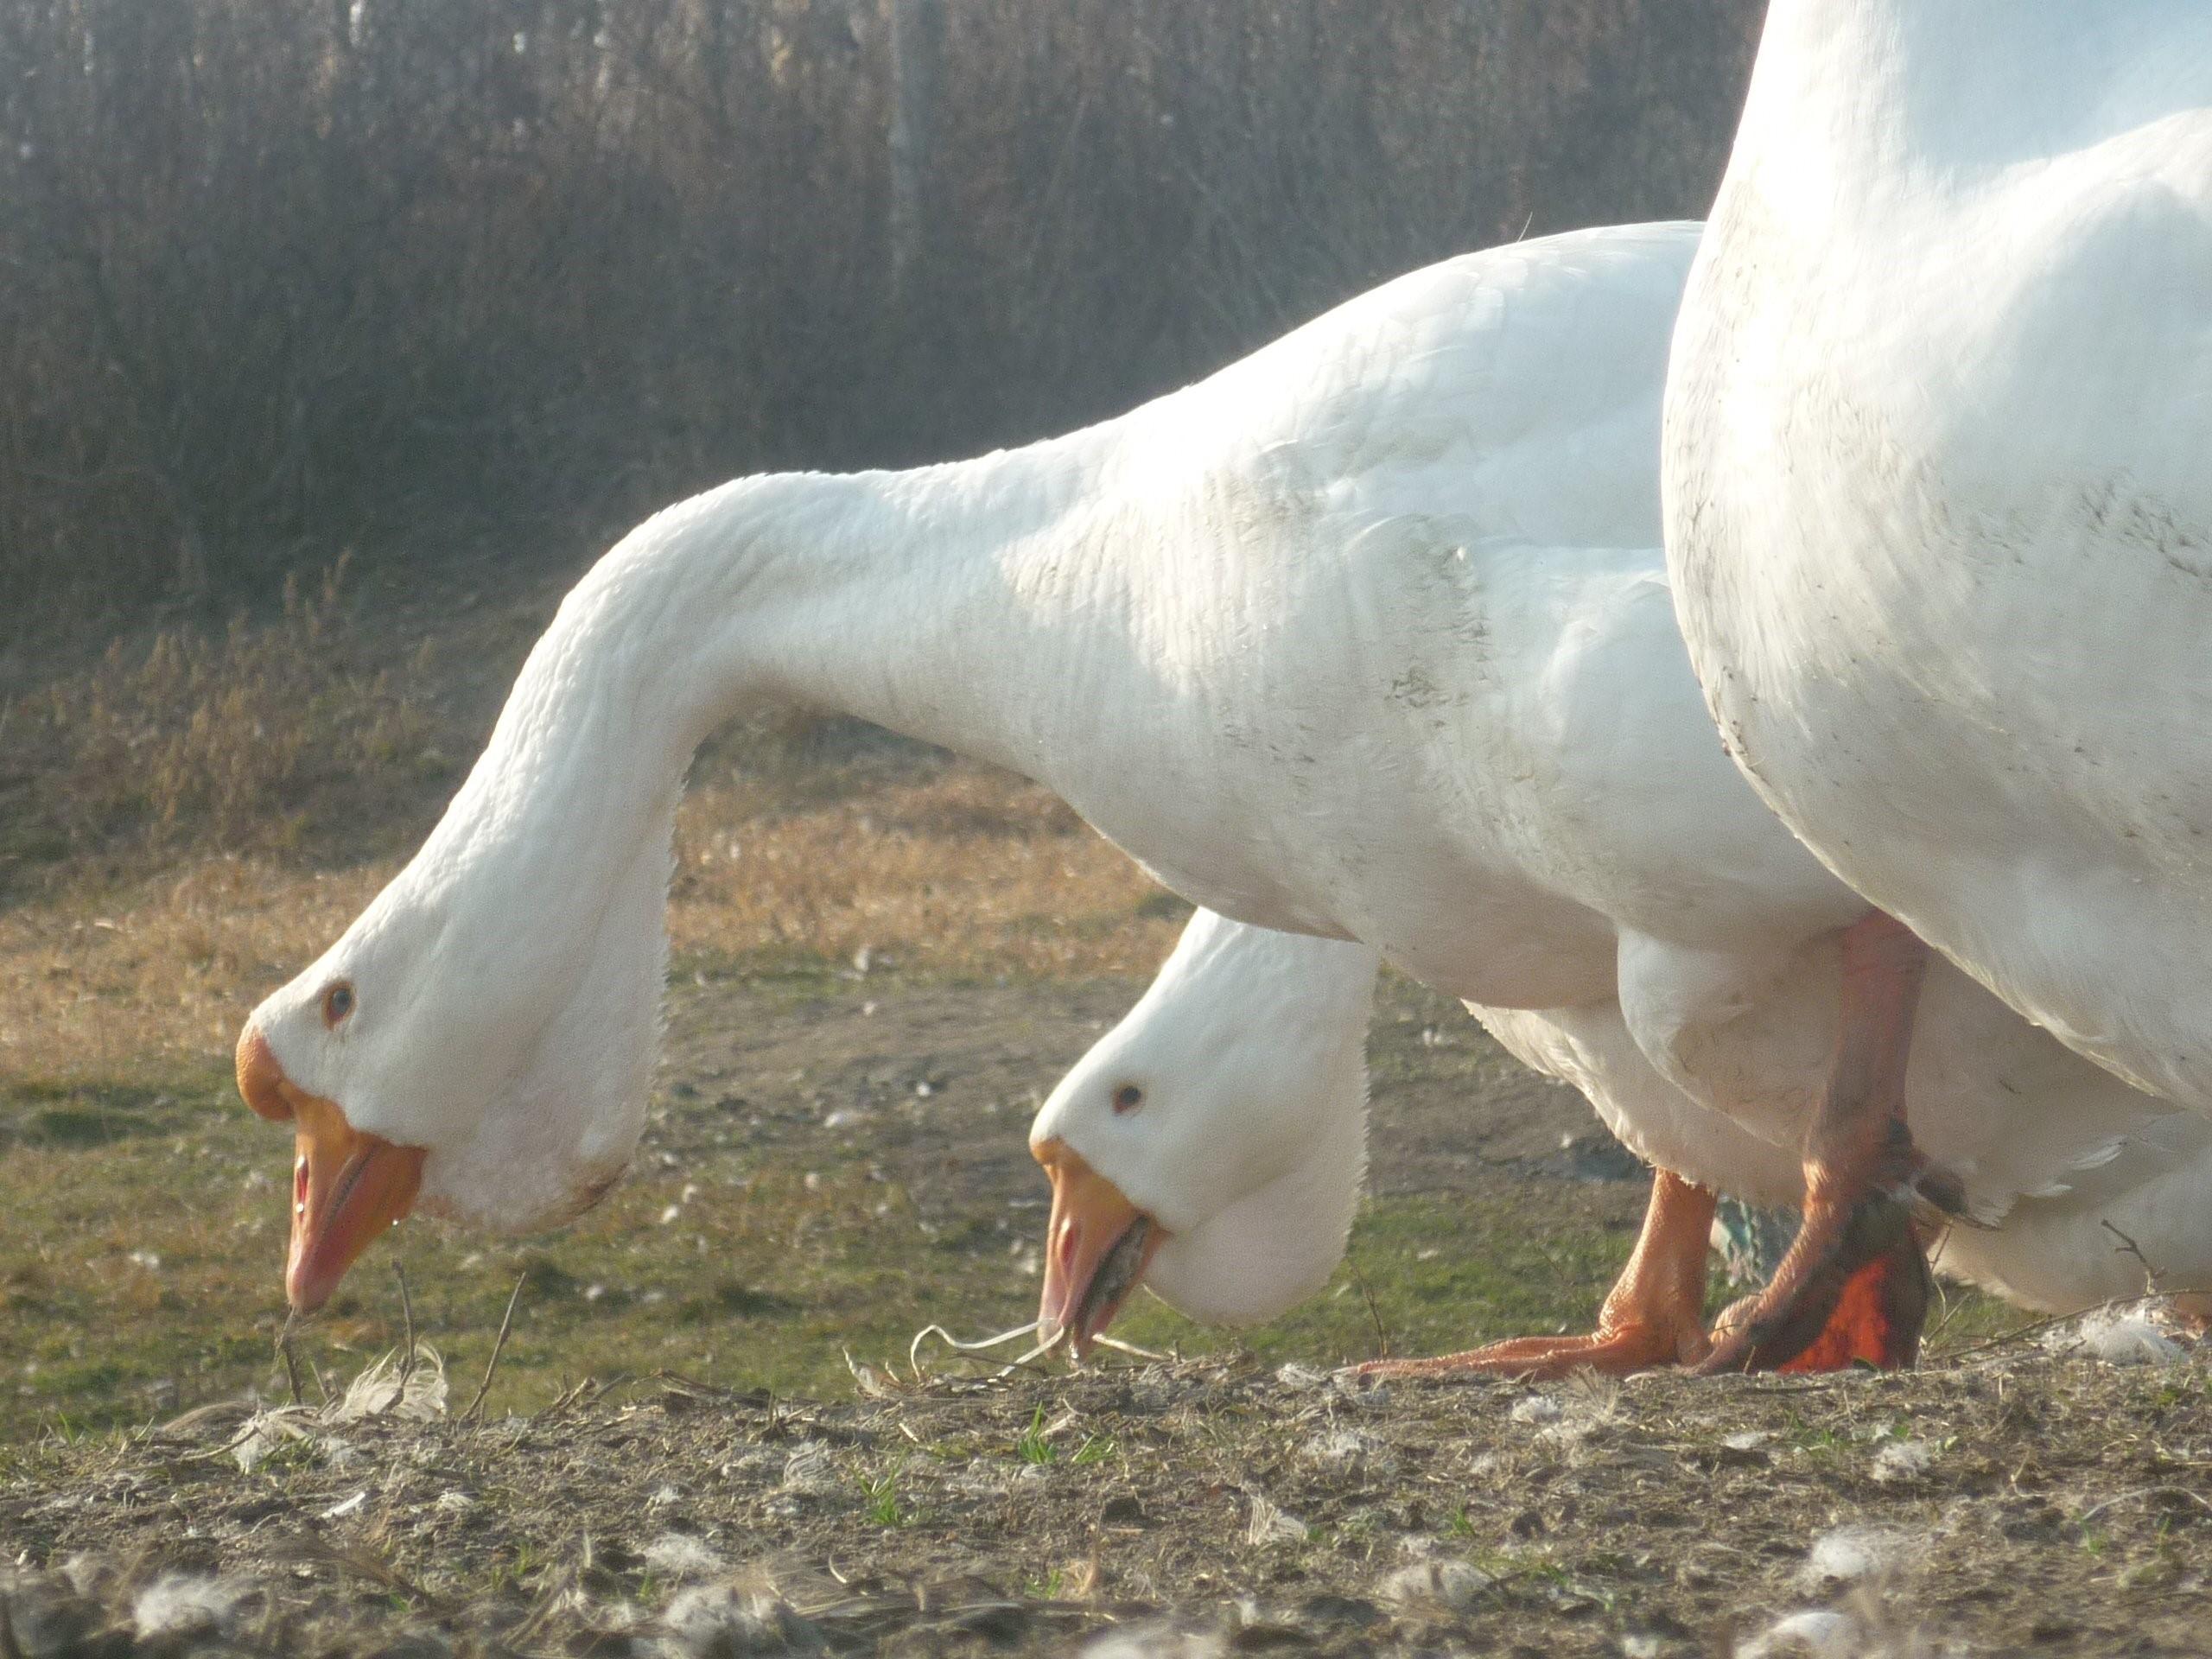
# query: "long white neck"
946 603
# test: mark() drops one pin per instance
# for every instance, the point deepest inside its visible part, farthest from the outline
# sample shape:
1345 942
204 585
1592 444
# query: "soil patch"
2017 1502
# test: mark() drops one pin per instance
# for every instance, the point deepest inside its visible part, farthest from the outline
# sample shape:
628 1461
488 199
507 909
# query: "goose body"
1938 513
1246 1137
2043 1193
1368 637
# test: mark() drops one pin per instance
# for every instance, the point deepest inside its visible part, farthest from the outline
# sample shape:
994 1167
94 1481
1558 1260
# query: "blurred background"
278 276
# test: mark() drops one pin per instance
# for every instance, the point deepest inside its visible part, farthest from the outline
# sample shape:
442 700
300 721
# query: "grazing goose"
1368 635
1217 1134
1228 1110
1938 511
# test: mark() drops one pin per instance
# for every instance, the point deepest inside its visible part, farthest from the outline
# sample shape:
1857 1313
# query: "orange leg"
1876 1320
1655 1314
1863 1178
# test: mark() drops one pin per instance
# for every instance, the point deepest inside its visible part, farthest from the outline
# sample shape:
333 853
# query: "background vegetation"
339 332
396 274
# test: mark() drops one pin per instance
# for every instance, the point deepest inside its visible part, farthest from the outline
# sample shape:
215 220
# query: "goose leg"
1655 1314
1856 1250
1876 1320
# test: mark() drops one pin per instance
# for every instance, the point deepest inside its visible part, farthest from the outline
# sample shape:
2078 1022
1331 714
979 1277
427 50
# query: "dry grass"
966 871
257 738
154 974
193 815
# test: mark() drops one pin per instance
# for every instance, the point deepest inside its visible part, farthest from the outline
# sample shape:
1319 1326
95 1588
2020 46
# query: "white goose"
1227 1108
1938 507
1368 635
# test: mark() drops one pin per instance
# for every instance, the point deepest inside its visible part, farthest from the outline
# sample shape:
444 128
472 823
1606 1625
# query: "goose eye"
1128 1098
337 1003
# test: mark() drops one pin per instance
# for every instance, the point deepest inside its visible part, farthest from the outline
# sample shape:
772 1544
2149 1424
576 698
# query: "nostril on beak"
261 1080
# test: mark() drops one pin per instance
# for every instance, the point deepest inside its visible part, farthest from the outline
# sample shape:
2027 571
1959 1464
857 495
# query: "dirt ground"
2002 1501
2016 1503
937 1082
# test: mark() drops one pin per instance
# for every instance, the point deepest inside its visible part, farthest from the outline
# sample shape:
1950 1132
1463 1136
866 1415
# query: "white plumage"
1368 635
1938 508
1250 1146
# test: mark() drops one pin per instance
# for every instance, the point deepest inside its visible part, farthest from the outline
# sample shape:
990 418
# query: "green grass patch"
140 1270
1426 1276
140 1274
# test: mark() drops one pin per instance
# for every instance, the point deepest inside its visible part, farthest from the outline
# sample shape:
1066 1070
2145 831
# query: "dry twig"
291 1365
2129 1246
506 1324
407 1313
1382 1336
2036 1327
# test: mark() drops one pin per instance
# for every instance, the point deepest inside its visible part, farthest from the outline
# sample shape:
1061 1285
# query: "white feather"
1939 517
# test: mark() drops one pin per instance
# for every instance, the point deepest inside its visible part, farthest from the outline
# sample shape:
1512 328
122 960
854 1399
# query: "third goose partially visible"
1230 1107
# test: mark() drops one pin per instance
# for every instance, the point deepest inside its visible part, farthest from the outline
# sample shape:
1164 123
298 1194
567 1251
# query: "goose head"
478 1044
1211 1147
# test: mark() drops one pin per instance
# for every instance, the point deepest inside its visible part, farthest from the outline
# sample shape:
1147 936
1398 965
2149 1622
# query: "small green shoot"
1033 1446
881 1492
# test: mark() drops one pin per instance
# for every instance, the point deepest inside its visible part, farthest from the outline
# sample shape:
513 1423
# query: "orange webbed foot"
1864 1179
1654 1315
1876 1320
1619 1353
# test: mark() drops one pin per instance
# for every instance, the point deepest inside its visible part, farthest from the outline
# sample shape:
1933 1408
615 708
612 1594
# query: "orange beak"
348 1186
1098 1246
